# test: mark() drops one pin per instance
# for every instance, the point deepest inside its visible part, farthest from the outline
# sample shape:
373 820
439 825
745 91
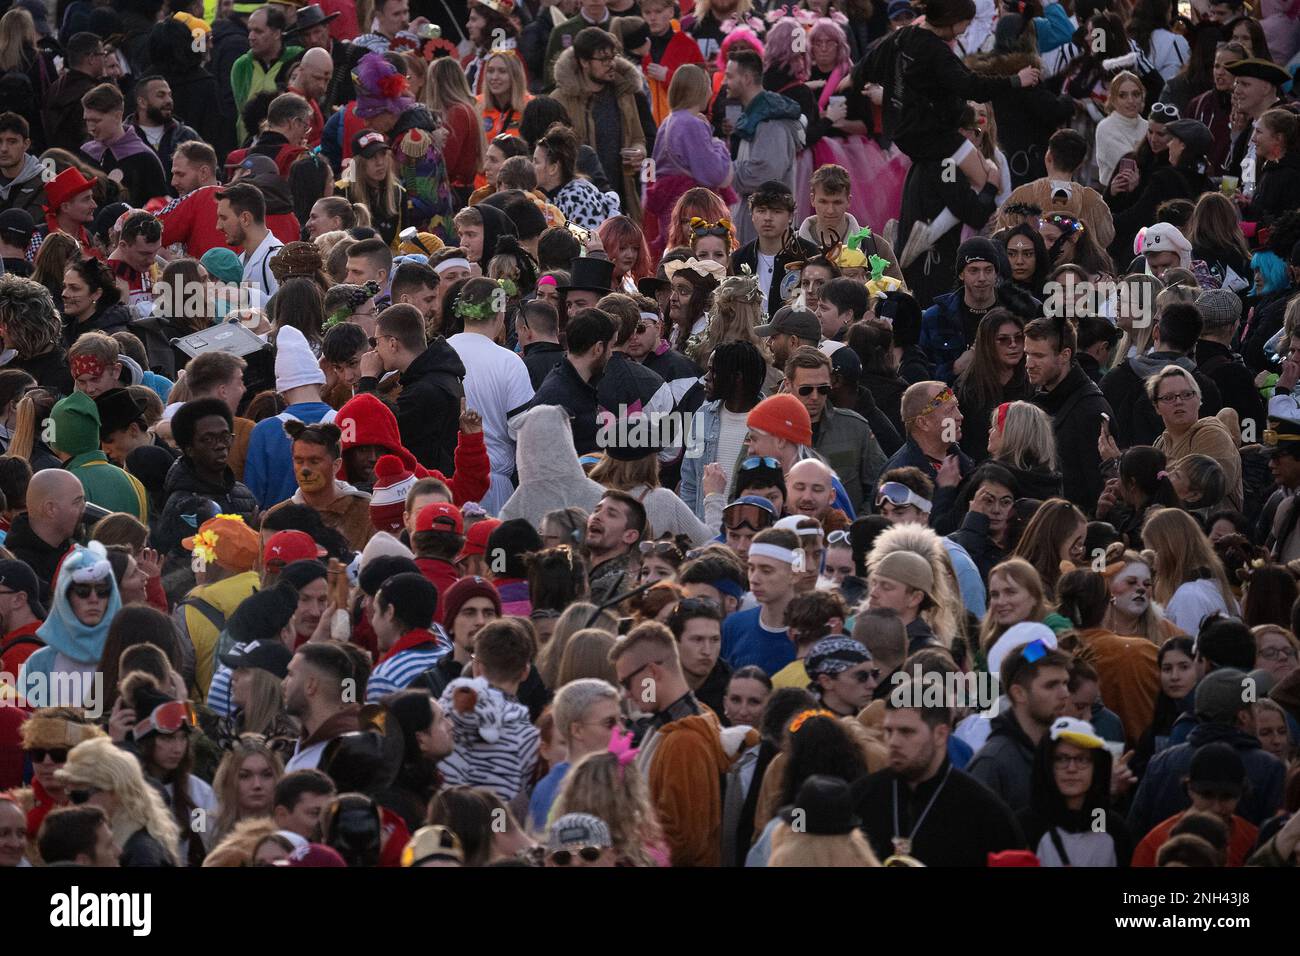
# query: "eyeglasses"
82 795
626 682
759 462
84 591
1278 653
57 754
1073 760
1176 397
1017 339
564 857
806 390
216 439
1164 112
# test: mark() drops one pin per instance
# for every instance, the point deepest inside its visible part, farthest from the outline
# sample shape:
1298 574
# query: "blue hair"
1272 268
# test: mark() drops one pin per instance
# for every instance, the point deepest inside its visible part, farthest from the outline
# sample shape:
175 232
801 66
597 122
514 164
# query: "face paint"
311 482
1136 599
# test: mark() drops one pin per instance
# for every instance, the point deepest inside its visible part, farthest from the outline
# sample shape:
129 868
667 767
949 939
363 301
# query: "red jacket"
365 420
681 50
18 645
192 220
284 226
463 152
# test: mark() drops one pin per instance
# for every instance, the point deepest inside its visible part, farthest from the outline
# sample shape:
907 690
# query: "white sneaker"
918 240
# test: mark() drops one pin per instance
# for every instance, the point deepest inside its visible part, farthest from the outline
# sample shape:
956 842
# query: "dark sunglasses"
84 591
57 754
564 857
82 794
806 390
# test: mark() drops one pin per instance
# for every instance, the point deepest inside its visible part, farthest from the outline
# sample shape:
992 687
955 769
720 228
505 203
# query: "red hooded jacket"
365 420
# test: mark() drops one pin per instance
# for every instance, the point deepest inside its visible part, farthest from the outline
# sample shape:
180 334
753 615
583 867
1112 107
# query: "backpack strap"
211 612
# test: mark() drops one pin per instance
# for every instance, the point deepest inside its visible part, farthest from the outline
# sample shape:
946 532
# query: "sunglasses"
694 605
1164 112
565 857
838 537
84 591
57 754
759 462
82 795
806 390
661 549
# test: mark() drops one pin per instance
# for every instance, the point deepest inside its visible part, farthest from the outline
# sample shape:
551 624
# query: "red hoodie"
365 420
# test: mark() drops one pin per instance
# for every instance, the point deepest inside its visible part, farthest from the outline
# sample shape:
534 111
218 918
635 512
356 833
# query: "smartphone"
1126 165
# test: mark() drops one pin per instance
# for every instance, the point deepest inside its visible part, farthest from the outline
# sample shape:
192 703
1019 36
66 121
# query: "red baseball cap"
440 516
285 547
476 538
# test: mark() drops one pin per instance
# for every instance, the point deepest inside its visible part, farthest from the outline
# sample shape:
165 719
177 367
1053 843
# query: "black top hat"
590 274
118 408
824 807
308 17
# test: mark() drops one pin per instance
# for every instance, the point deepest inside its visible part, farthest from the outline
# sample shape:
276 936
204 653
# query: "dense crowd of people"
620 433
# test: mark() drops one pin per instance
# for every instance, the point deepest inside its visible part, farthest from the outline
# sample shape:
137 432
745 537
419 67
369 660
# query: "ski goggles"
758 461
900 496
742 516
166 718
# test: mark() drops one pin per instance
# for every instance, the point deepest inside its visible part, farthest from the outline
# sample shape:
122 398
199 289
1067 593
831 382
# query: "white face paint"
1131 589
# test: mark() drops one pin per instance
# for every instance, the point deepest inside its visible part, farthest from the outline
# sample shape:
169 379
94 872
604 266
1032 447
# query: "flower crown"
482 311
741 288
807 715
344 311
1066 223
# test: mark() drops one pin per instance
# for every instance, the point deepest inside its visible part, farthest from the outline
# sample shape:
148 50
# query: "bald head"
810 488
314 73
55 502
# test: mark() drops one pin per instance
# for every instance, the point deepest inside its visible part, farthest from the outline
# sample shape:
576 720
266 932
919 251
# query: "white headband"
456 263
778 553
651 316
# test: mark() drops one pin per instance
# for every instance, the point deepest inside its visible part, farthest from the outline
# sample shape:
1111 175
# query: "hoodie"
770 132
75 424
496 742
550 476
495 225
71 647
1136 421
428 407
26 191
1005 764
280 219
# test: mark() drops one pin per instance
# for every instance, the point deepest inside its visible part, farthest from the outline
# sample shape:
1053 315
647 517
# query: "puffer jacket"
232 497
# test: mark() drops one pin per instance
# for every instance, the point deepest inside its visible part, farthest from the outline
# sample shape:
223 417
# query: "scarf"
765 106
124 147
832 84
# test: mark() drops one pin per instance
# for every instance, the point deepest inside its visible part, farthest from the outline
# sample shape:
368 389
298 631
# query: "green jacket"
845 440
109 486
248 78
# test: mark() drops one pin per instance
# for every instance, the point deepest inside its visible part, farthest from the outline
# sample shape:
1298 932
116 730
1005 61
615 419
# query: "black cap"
587 273
1217 766
846 361
263 615
369 142
107 218
824 806
270 656
791 321
118 408
413 595
17 226
382 567
18 575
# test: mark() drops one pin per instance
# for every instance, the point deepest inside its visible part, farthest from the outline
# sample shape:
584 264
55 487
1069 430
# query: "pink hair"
620 231
780 49
745 34
827 26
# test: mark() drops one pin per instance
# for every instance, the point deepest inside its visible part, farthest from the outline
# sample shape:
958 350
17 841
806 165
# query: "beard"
156 116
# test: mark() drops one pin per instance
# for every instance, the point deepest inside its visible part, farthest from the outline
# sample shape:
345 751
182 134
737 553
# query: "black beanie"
302 573
382 567
514 539
413 596
263 614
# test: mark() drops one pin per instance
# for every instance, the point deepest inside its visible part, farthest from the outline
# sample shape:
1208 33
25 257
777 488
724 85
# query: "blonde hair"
742 9
598 784
1116 81
100 763
689 89
1183 553
573 620
1026 576
737 309
1027 437
518 82
237 847
942 618
815 850
1152 383
647 634
587 655
225 784
1139 339
17 36
265 701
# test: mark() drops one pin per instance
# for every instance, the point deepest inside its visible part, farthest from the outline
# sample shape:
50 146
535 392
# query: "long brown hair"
1183 554
1040 543
1213 227
1026 576
225 784
981 383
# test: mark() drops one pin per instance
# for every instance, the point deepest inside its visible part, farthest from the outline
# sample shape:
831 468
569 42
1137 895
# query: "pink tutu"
877 176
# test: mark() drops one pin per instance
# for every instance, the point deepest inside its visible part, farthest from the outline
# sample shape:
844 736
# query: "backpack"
214 616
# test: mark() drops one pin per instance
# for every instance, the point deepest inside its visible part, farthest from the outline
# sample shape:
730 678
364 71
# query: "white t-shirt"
1193 602
766 265
496 384
153 134
732 430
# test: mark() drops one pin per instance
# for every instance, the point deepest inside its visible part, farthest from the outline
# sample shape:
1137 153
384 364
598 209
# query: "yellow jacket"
224 595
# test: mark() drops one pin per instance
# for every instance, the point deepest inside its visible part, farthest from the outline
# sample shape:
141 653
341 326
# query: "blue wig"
1273 269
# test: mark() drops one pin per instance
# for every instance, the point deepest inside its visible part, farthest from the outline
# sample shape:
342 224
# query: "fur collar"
568 75
1001 64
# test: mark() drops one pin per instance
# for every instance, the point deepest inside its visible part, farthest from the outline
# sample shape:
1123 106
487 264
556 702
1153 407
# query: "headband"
547 280
482 311
778 553
651 316
728 587
704 268
457 262
806 715
88 365
1002 416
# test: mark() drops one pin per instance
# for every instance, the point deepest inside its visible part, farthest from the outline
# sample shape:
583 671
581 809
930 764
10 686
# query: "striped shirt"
400 670
496 743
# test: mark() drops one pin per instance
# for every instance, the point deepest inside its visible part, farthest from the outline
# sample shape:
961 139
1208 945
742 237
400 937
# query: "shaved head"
809 469
810 488
55 502
314 73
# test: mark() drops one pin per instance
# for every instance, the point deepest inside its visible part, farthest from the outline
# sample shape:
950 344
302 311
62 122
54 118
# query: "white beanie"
294 363
1015 637
384 543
